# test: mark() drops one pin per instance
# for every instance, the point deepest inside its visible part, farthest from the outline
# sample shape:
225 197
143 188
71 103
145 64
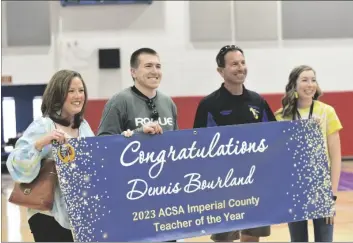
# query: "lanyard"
310 113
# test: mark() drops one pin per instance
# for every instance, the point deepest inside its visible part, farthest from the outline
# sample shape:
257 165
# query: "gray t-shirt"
129 110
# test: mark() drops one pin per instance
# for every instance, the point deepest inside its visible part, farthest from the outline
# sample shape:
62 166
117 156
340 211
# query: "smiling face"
306 85
148 72
75 98
235 69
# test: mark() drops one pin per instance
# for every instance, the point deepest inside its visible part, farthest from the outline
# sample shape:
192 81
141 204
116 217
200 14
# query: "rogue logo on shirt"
139 121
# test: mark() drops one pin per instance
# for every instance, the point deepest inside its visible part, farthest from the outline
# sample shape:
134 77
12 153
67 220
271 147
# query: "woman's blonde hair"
289 101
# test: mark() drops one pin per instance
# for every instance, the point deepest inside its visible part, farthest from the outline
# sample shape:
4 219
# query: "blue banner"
189 183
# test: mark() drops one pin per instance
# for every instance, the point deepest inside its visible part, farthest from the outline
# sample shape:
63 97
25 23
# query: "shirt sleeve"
267 114
278 115
333 123
24 161
112 120
175 116
200 120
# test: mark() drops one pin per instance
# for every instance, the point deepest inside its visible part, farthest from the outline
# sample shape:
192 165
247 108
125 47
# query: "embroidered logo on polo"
255 111
226 112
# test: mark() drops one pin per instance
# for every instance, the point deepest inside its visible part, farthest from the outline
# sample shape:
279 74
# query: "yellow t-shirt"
329 120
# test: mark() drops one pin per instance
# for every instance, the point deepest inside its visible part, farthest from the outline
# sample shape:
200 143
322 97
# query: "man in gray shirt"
140 108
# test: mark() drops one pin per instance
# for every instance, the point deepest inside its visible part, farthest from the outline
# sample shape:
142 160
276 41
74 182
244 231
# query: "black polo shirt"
221 108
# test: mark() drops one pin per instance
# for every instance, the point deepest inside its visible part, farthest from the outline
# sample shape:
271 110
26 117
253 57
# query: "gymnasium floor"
14 227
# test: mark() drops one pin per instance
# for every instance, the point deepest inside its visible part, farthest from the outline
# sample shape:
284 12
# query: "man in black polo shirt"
233 104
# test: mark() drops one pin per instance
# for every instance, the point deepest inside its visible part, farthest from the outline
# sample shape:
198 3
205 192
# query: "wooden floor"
14 227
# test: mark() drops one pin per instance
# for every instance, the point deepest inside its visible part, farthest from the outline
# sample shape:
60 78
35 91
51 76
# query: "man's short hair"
223 51
134 60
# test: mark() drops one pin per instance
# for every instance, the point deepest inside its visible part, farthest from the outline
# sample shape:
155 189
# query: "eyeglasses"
152 106
224 51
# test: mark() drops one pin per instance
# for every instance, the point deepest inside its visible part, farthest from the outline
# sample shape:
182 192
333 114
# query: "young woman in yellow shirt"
301 102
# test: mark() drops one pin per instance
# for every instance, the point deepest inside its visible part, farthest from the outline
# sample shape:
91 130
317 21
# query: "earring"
296 95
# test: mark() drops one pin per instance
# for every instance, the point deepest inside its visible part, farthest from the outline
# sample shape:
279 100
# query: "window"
9 118
37 103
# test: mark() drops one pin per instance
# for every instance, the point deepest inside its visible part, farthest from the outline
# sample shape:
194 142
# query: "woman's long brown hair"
289 101
55 95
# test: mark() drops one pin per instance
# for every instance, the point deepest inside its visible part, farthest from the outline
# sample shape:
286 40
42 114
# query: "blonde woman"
301 102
